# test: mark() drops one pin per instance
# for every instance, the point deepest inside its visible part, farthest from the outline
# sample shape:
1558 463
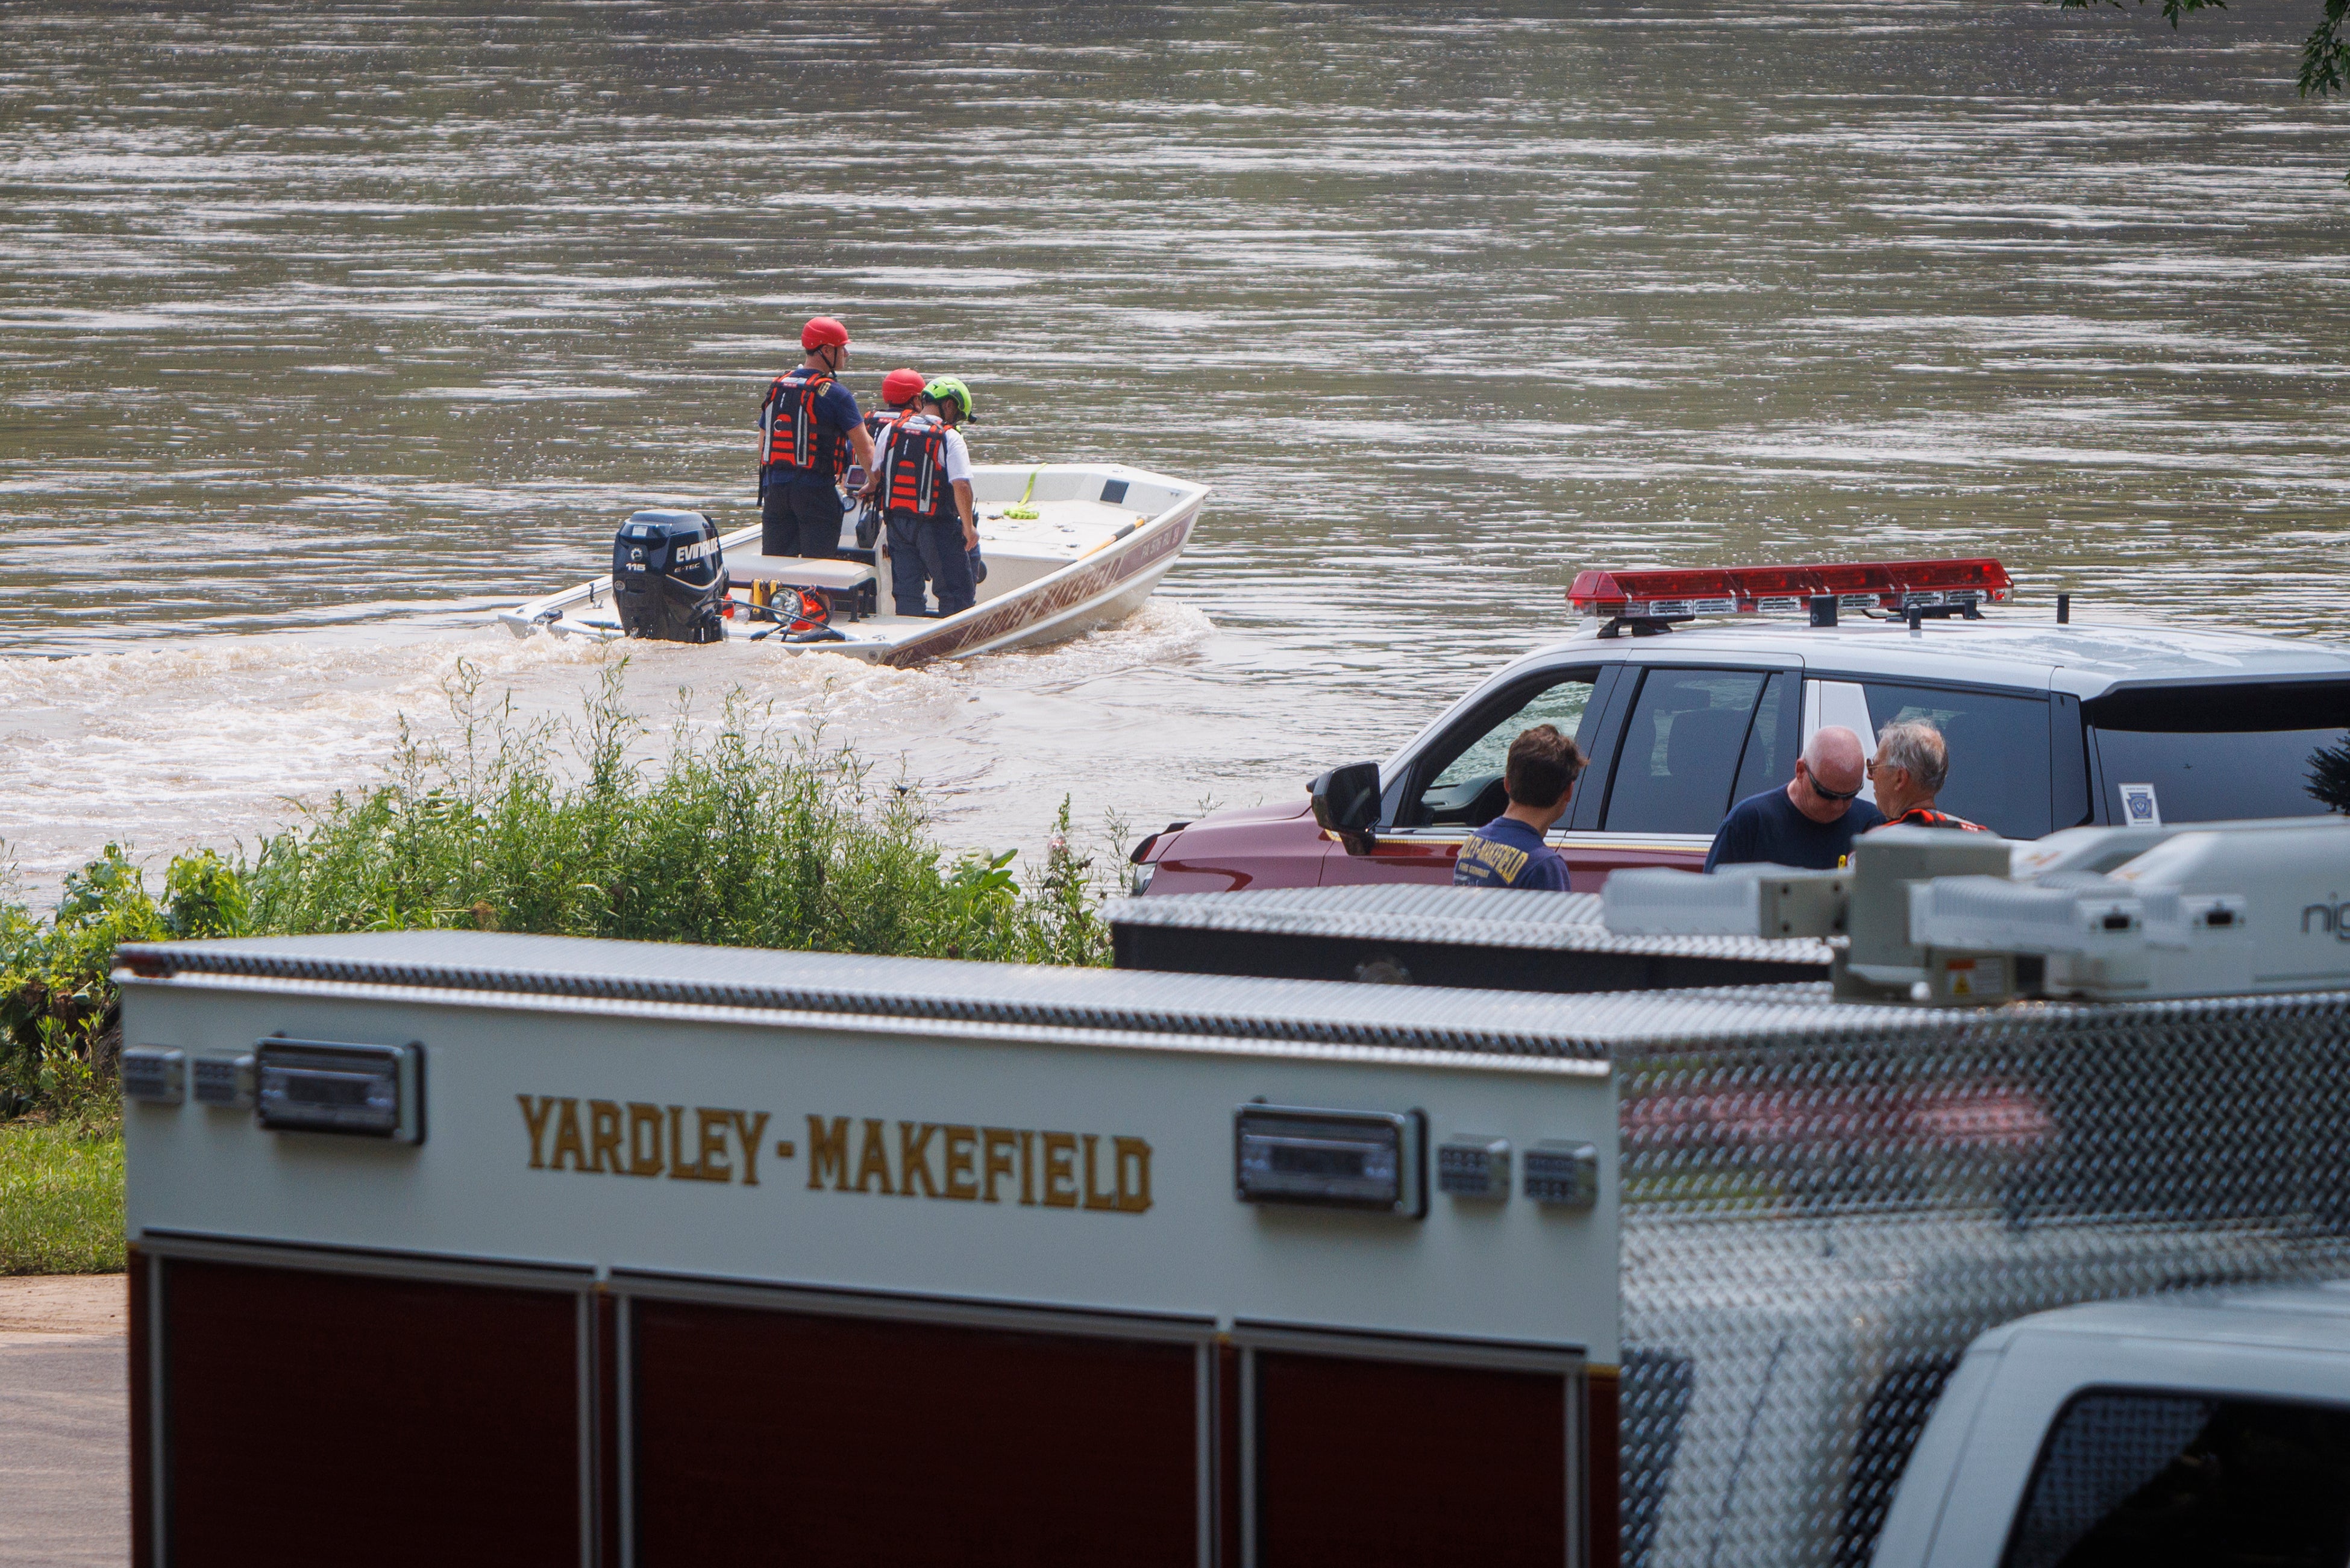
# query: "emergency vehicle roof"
1431 1025
2085 658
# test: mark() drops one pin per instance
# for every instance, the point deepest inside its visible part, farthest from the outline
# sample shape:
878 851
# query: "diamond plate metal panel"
1471 917
1817 1222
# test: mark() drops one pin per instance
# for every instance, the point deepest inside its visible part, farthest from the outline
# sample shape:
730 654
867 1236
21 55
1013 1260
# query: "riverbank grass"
60 1199
744 833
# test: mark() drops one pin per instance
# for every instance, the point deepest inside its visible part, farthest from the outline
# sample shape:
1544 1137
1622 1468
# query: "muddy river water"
319 333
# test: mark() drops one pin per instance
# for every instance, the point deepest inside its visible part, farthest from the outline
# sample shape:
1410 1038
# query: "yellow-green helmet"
951 389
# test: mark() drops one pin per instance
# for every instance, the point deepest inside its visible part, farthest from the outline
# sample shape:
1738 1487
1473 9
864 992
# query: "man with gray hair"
1811 822
1913 764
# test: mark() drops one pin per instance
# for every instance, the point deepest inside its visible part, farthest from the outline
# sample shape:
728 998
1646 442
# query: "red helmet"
821 331
902 386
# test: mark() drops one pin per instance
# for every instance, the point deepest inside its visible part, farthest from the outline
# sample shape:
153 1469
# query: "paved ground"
64 1443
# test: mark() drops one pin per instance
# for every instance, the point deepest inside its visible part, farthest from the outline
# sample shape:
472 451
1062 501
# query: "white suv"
2048 722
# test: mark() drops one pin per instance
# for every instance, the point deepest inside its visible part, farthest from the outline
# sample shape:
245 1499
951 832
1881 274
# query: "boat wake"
221 741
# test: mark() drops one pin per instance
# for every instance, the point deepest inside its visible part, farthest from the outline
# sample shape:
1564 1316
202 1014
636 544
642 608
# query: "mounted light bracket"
1369 1160
361 1091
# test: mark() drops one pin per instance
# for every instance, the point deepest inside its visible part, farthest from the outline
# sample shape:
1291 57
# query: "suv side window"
1999 752
1678 759
1770 760
2157 1480
1467 789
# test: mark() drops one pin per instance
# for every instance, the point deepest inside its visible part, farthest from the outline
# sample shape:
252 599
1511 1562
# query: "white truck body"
1962 1501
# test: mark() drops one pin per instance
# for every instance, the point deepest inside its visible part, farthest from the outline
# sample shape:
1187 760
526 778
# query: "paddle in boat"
1067 548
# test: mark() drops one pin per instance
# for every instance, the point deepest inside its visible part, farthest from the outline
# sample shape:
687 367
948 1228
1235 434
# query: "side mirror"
1346 802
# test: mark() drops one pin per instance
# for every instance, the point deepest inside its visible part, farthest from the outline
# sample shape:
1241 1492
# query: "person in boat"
809 431
947 412
1911 765
923 483
901 390
1810 822
1539 777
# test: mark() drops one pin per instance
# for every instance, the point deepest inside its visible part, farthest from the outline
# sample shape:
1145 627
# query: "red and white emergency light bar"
1679 593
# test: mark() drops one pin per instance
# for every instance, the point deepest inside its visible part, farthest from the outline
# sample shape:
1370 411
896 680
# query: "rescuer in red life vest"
1912 763
901 390
923 483
808 431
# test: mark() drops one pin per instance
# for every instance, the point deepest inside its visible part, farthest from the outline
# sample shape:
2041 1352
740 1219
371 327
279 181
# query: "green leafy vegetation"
60 1199
2324 54
2329 775
742 835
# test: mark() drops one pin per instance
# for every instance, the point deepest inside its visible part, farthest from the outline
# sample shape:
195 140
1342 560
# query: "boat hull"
1105 588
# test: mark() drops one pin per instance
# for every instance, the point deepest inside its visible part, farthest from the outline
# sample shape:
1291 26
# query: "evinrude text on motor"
669 577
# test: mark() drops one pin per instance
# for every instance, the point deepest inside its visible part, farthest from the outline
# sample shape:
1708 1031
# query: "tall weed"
745 837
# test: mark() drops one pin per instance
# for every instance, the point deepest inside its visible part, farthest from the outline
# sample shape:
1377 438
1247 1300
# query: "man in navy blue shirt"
1509 852
1812 823
808 430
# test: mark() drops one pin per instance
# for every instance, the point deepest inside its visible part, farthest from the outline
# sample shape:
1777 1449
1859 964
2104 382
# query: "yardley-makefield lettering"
971 1164
953 1161
698 1143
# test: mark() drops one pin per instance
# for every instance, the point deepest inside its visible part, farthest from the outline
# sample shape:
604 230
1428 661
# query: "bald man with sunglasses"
1812 823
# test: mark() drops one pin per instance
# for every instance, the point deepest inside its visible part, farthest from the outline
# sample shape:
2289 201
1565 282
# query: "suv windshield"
2211 752
1467 790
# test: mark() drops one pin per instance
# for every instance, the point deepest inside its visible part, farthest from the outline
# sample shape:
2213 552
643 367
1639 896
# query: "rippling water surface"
320 332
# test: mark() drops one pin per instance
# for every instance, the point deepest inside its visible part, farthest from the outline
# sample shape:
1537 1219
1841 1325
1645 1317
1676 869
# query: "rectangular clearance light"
225 1082
1470 1167
1563 1175
155 1074
366 1091
1333 1159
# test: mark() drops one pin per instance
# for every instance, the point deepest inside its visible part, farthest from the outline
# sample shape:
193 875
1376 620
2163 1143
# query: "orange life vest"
1926 816
914 467
790 435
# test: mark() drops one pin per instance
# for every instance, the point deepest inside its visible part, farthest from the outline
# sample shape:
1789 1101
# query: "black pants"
937 545
800 520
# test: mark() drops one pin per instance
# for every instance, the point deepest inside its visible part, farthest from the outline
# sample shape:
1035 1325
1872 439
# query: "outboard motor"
669 577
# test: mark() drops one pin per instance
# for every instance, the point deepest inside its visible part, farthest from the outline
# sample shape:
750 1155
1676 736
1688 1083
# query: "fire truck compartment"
696 1251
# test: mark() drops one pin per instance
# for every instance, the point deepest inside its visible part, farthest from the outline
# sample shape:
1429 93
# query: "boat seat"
848 586
800 571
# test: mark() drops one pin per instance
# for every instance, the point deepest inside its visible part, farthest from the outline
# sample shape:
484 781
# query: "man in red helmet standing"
901 390
809 429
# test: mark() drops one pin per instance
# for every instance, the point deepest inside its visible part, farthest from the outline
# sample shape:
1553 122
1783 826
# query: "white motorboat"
1067 548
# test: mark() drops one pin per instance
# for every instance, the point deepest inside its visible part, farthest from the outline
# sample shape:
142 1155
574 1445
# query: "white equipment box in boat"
535 1249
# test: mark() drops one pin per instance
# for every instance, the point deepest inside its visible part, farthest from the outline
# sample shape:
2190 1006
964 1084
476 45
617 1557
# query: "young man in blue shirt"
1509 852
1810 824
